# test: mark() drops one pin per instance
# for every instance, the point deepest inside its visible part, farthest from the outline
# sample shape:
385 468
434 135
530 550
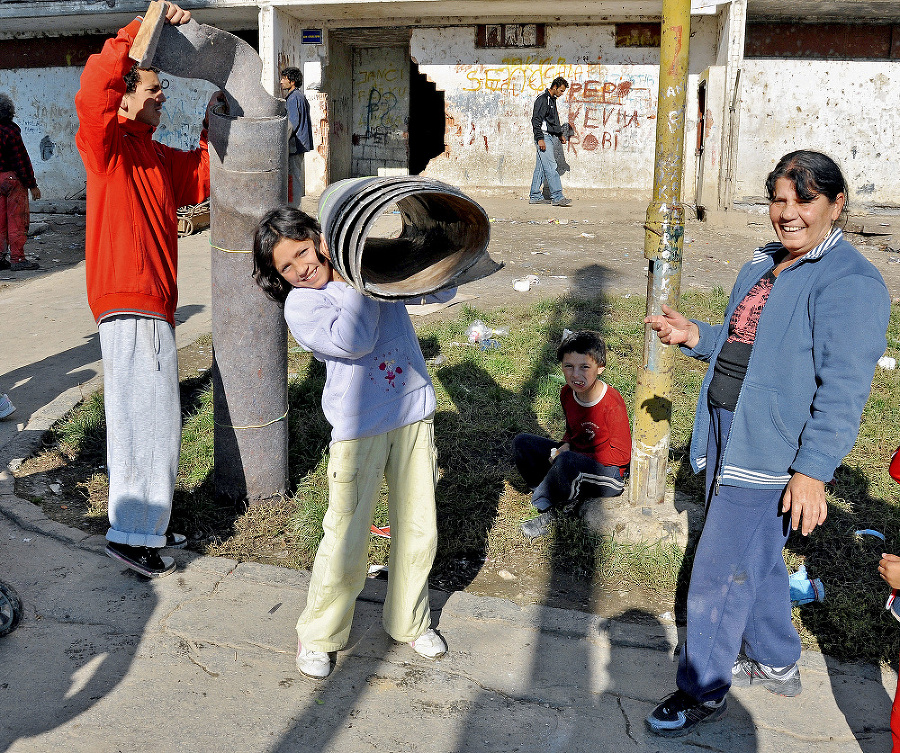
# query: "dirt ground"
594 246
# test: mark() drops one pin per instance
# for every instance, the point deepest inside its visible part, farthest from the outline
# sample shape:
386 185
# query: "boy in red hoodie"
134 188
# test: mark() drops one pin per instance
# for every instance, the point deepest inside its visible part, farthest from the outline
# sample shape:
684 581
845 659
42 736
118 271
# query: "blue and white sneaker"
679 714
779 680
6 406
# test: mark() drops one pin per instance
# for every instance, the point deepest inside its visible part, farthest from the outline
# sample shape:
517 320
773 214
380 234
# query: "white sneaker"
314 664
6 406
429 644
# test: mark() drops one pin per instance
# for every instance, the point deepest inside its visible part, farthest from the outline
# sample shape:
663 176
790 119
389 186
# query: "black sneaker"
784 681
175 541
24 266
679 714
539 526
4 263
141 559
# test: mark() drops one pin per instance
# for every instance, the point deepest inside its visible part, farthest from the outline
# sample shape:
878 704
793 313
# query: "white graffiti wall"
45 111
847 109
611 103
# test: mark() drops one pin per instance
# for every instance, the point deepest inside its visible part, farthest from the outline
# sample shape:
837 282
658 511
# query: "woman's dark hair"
587 343
279 223
812 174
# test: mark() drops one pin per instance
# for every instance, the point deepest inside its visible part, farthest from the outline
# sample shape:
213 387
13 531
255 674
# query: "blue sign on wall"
311 36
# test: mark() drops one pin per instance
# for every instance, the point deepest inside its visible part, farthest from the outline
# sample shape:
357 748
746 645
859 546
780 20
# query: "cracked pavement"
106 661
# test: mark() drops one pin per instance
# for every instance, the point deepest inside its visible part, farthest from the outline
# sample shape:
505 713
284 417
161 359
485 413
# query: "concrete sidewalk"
204 660
106 661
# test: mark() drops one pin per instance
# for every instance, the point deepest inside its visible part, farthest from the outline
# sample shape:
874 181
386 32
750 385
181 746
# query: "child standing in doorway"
593 457
380 403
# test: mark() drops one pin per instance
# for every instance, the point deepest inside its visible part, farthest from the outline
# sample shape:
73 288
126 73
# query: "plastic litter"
805 590
483 336
886 362
524 284
870 532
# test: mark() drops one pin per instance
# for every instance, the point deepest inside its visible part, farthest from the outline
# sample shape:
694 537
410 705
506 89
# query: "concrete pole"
248 161
248 166
663 245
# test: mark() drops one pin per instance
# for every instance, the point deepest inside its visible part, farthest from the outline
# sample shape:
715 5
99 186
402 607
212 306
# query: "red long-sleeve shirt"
600 430
134 188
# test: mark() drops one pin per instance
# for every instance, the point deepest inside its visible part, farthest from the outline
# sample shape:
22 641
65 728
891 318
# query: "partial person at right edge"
548 135
134 188
300 139
790 371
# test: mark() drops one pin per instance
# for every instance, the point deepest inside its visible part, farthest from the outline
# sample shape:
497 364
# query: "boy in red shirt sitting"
592 458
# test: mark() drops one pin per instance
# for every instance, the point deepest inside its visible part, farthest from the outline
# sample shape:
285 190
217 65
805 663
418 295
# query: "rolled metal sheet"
443 242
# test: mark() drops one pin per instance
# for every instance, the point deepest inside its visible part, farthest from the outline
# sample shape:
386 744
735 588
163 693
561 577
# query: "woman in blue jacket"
790 371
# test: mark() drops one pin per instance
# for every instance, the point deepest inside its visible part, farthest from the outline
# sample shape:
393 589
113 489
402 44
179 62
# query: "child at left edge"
593 458
889 570
380 403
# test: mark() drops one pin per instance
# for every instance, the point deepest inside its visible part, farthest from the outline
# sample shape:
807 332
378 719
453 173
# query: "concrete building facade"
445 88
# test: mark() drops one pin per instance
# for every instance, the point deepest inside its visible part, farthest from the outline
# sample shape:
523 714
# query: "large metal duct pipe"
248 162
443 241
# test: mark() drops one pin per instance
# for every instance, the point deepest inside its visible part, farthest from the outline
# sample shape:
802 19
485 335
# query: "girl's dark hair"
812 174
587 342
282 222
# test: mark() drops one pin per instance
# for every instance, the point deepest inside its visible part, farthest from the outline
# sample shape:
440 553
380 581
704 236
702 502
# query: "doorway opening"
427 121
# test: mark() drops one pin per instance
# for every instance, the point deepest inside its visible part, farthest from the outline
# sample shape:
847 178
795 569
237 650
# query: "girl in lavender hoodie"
380 403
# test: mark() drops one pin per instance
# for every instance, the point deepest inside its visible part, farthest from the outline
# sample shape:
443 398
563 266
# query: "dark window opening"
509 35
638 35
826 41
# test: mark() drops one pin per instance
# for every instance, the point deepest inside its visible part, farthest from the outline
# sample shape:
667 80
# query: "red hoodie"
134 188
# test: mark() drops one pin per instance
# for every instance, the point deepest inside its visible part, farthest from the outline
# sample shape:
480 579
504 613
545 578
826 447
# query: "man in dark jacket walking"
548 134
300 136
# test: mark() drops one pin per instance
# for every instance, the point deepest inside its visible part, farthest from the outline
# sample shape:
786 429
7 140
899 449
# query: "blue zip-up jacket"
818 340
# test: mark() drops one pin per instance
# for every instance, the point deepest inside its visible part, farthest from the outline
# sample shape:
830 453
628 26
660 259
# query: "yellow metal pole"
663 245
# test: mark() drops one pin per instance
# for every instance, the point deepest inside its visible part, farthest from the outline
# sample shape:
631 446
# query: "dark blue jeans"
571 477
739 598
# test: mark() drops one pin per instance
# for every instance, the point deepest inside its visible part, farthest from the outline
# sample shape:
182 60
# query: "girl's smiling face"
582 374
299 264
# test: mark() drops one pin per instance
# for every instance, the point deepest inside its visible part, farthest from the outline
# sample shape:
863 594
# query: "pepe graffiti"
605 111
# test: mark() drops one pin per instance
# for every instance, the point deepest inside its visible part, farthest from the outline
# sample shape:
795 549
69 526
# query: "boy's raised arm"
99 96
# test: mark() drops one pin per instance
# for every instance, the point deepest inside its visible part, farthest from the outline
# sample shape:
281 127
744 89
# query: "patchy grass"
487 397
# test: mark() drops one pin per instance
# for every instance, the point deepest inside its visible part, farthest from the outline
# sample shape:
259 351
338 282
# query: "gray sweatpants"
143 426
